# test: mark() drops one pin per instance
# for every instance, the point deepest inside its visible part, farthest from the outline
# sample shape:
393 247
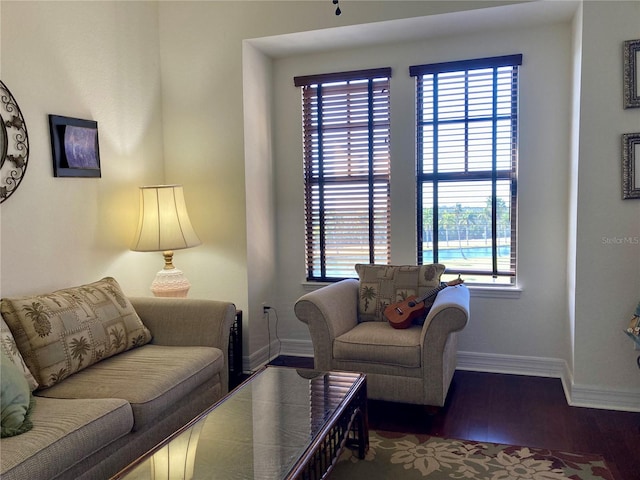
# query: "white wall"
91 60
608 228
174 98
573 187
532 325
570 265
216 143
259 181
164 81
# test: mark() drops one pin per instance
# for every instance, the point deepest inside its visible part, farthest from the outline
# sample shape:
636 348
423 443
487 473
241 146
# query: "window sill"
311 286
478 291
495 292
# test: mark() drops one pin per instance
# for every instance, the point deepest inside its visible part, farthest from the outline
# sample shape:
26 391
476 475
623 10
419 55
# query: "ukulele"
401 314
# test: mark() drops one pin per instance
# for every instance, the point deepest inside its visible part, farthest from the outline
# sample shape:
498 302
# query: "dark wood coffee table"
282 423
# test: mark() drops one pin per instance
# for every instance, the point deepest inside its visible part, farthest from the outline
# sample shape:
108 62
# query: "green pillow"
15 399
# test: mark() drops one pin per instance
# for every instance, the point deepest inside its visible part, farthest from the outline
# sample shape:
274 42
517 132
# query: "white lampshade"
164 226
163 223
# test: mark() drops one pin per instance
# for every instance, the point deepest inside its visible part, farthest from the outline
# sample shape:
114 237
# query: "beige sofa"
97 420
413 365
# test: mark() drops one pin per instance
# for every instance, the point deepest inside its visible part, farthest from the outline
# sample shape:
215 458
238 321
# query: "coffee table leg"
360 426
363 435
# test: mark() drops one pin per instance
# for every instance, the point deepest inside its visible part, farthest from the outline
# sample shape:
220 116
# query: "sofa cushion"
152 378
10 349
64 433
15 397
382 285
378 342
64 332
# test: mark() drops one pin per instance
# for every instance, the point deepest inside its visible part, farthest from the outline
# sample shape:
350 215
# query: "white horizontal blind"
467 130
346 169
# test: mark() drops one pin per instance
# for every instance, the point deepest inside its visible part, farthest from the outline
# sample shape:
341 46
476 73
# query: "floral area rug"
399 456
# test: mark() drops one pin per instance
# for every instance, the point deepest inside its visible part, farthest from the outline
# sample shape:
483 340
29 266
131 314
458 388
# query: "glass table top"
258 431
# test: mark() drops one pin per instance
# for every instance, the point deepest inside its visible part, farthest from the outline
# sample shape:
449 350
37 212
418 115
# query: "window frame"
438 178
319 265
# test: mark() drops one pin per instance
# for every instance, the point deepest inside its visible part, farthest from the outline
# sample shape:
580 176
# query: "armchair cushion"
378 342
382 285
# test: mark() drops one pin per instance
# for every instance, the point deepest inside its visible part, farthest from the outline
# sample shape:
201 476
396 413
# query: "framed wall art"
631 87
14 144
630 165
74 146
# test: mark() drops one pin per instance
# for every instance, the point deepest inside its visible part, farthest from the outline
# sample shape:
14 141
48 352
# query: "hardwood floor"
514 409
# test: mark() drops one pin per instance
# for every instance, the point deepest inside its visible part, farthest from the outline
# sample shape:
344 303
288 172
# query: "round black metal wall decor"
14 144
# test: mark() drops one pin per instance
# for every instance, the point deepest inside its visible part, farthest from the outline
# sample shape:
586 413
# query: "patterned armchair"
412 365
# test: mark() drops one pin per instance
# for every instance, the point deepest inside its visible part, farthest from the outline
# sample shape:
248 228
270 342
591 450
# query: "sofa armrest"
185 322
329 312
188 322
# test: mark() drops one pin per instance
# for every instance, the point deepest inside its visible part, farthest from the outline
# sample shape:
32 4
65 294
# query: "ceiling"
416 28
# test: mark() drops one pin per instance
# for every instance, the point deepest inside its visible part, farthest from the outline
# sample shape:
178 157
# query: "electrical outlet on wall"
265 309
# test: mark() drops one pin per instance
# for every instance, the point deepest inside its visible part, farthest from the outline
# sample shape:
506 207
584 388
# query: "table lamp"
164 226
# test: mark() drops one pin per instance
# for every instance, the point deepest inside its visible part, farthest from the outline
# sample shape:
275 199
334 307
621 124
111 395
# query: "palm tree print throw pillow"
382 285
64 332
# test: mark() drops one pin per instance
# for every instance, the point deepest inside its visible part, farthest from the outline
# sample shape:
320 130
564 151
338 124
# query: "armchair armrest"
450 309
329 312
449 313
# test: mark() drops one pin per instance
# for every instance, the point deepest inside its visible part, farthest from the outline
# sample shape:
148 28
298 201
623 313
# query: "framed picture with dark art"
631 74
74 146
630 165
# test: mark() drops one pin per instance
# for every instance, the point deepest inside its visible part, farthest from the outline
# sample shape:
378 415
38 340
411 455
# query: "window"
346 171
467 130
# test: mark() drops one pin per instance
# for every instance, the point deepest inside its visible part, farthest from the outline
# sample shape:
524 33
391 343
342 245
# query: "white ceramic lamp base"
170 283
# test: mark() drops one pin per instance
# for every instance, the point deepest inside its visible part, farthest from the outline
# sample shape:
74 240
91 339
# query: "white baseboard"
262 357
598 397
297 348
513 364
591 396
